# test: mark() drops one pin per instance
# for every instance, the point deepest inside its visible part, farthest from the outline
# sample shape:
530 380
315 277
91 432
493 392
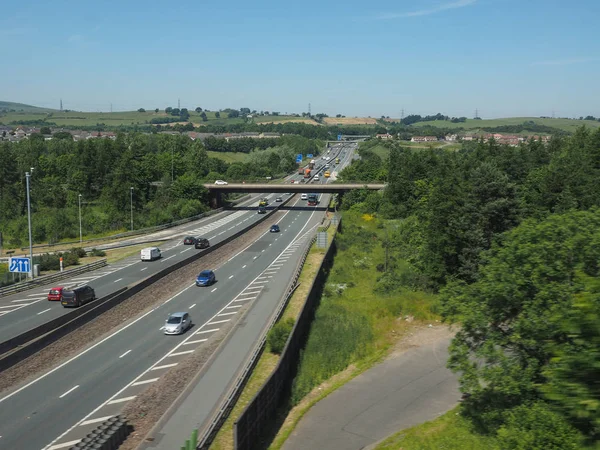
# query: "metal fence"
259 414
47 279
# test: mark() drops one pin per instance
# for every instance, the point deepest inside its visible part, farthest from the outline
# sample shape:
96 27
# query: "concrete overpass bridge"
217 190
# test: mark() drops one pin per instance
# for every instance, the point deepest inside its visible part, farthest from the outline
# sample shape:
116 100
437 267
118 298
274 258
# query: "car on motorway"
220 182
206 278
274 228
77 296
55 294
189 240
202 243
263 202
177 323
150 254
278 199
262 210
316 178
304 197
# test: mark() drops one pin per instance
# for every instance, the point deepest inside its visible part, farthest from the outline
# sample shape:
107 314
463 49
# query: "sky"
502 57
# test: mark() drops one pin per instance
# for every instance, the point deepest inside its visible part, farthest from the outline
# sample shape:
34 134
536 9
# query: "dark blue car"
274 229
205 278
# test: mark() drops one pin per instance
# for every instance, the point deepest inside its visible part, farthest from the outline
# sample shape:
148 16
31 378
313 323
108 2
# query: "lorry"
313 199
311 164
300 170
307 173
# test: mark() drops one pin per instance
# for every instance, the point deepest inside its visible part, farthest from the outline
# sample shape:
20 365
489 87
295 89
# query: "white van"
150 254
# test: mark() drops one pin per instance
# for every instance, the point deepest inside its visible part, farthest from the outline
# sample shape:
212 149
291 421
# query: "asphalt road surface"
64 404
396 394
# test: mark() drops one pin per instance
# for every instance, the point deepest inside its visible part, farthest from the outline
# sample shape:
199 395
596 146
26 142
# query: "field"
230 157
73 119
349 121
563 124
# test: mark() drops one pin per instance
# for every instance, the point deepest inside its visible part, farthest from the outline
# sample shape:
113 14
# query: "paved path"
405 390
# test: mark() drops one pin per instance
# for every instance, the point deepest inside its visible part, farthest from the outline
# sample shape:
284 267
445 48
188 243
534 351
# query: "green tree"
156 110
218 115
45 130
141 110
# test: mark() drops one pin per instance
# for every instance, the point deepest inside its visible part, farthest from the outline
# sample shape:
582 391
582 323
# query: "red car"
55 294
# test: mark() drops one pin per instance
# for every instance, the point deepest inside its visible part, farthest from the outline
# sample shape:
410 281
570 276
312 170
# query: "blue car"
274 229
205 278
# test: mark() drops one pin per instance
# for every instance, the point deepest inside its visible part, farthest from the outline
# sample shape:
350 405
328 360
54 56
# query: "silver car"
177 323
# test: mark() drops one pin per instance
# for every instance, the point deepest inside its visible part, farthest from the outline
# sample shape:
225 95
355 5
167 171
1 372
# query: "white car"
316 178
304 197
220 182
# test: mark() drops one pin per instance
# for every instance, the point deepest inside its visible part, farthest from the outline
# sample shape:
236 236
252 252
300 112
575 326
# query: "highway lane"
88 380
26 310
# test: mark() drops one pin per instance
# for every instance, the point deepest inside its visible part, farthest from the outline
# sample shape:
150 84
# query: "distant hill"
21 107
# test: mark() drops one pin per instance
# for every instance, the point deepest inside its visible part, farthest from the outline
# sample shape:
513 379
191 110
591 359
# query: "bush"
536 427
278 335
97 252
78 251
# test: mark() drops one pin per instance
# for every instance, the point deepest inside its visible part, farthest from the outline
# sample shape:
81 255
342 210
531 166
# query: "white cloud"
564 62
425 12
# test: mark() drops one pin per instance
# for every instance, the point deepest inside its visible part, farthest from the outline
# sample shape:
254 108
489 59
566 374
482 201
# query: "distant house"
269 135
469 137
451 137
385 136
423 139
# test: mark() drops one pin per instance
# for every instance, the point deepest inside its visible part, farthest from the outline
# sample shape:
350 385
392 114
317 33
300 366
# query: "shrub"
278 335
97 252
78 251
536 427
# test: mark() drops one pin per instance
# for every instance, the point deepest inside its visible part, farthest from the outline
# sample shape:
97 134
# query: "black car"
77 296
189 240
274 228
202 243
262 210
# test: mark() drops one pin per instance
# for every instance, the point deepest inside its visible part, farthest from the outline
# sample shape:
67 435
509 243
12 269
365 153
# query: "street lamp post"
27 175
80 232
131 192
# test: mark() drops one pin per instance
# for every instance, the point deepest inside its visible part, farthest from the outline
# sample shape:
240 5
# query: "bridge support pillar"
216 200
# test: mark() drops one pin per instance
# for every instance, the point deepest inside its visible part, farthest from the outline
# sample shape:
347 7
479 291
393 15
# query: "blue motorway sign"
309 155
19 265
339 137
299 158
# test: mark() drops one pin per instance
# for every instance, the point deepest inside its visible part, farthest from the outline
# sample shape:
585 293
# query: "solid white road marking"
145 268
196 342
116 281
219 321
27 299
121 400
214 290
125 353
165 366
64 445
42 312
208 331
91 421
151 380
192 306
181 353
69 391
227 314
168 258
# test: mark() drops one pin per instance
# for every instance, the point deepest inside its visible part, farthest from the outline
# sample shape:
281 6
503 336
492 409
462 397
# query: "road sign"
299 158
339 137
309 155
19 265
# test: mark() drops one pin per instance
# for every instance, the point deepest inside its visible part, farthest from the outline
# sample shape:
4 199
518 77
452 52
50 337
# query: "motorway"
66 402
28 309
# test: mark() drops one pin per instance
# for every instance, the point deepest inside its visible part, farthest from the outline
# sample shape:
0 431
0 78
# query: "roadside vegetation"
166 173
508 238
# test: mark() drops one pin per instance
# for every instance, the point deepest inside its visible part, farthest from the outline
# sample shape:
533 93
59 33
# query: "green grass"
353 324
470 124
21 107
230 157
450 432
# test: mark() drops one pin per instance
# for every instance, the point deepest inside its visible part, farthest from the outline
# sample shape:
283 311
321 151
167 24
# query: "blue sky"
357 58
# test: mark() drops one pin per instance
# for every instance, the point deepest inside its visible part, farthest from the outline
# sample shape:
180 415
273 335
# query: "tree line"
166 172
509 237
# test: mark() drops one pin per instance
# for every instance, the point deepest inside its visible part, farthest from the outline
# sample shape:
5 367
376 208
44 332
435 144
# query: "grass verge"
268 361
450 431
